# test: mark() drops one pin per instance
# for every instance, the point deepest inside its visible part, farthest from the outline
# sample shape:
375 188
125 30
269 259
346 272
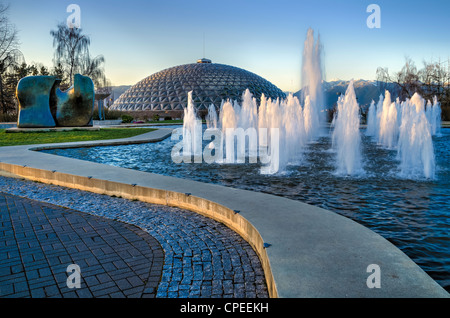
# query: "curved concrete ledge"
313 252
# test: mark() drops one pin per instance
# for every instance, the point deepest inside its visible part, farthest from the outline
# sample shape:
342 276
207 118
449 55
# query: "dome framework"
211 83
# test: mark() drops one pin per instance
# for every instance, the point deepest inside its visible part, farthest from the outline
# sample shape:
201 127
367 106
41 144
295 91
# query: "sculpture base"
21 130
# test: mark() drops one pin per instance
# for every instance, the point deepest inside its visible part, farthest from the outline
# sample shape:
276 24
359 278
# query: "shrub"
95 115
8 117
446 113
127 118
113 114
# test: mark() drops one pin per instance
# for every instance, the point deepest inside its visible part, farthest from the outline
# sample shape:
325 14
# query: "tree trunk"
2 96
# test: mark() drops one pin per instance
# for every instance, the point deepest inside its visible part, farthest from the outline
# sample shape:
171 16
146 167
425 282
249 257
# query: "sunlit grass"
29 138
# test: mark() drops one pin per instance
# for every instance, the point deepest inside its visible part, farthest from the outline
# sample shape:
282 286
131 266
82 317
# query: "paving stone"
91 281
20 287
120 294
43 272
84 293
38 293
51 290
6 289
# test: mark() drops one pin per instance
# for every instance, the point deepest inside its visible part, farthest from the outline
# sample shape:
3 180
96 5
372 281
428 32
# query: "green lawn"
28 138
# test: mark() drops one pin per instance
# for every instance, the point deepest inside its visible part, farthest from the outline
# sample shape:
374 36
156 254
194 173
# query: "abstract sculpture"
43 105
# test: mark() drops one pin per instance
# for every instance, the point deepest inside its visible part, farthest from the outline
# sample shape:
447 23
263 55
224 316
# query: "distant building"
166 92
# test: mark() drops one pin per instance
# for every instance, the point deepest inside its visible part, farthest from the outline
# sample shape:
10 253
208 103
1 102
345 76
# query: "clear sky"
138 38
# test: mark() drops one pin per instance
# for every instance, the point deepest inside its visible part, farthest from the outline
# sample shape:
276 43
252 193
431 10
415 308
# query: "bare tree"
432 77
407 79
72 56
383 78
70 47
433 80
93 67
10 56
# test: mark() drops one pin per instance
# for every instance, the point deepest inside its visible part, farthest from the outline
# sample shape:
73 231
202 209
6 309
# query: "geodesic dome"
210 83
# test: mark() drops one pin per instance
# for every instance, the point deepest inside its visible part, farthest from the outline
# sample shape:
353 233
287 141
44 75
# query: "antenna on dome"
204 60
204 45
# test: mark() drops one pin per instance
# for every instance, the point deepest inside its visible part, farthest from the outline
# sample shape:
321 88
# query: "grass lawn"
29 138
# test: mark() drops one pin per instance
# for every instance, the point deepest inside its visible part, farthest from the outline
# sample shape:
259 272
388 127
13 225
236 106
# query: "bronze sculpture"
43 105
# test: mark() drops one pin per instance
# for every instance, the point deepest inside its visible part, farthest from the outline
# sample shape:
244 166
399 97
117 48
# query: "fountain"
346 136
284 129
280 127
415 145
373 117
312 77
388 125
407 127
192 133
433 113
211 118
211 122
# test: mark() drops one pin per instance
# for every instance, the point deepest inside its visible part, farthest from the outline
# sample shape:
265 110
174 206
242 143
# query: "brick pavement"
200 257
38 241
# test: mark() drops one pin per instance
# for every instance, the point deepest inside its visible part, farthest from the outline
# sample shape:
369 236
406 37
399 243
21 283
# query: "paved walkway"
39 241
202 258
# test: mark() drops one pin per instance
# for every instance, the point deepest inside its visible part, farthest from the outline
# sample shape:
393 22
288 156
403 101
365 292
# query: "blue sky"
139 38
